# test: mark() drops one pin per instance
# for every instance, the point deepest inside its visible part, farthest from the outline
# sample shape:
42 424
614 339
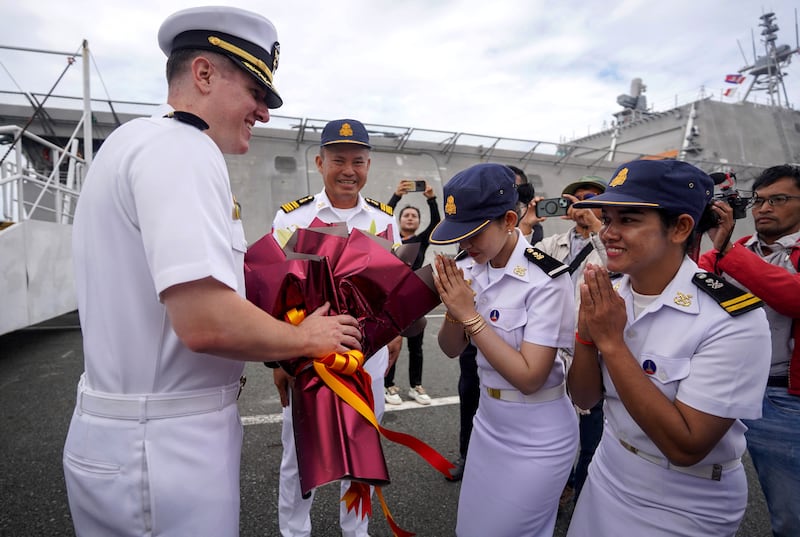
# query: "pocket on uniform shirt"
508 319
238 240
665 369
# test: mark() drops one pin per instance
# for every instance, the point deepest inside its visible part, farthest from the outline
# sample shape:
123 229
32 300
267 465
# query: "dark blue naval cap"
473 198
345 131
674 186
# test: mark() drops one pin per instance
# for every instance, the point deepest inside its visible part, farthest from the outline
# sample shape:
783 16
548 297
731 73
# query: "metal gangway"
39 187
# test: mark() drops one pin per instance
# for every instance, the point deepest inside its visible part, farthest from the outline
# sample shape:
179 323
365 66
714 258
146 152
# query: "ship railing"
25 192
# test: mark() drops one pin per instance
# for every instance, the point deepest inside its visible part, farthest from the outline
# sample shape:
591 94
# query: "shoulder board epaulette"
550 265
382 206
292 205
732 299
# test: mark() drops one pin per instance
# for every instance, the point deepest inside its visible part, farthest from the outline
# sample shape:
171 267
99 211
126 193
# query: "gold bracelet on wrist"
475 329
475 320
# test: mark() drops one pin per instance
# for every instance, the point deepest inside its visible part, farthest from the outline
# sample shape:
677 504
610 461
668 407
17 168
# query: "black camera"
553 207
729 194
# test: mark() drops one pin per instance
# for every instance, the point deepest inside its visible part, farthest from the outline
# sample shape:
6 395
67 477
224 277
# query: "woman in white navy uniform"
516 306
679 356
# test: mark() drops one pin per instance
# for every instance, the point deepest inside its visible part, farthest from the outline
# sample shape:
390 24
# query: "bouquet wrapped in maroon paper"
336 434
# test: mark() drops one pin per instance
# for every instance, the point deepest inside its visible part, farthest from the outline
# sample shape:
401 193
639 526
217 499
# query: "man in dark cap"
343 161
154 445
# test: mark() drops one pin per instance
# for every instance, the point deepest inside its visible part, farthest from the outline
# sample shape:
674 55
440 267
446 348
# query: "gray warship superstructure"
44 162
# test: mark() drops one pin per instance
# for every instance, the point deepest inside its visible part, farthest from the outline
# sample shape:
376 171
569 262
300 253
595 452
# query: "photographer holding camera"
767 265
528 221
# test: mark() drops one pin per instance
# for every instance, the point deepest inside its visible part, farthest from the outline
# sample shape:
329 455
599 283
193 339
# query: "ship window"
285 164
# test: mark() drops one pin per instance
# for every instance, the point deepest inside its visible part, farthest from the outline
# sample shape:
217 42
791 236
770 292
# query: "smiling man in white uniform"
154 445
343 161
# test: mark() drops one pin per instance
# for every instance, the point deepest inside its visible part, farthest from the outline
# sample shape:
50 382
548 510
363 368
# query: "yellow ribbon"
349 363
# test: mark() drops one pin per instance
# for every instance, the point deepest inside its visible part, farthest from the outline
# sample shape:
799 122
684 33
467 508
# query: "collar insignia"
520 271
683 299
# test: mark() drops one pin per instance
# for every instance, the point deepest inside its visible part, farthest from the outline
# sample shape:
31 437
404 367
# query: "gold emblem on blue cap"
346 130
620 178
450 206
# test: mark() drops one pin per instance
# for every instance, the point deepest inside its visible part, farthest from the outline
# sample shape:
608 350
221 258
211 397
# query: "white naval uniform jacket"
694 351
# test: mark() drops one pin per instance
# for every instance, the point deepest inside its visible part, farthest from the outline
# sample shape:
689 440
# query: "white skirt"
518 461
627 495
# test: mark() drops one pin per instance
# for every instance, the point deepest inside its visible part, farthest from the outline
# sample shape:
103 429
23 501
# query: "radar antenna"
767 71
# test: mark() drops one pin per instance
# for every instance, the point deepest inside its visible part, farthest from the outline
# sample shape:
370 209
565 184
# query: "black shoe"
458 472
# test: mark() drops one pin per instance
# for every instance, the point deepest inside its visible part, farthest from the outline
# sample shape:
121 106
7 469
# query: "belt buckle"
242 382
493 393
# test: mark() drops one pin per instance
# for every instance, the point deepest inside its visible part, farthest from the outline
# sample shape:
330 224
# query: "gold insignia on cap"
450 206
520 271
256 65
620 178
346 130
683 299
276 52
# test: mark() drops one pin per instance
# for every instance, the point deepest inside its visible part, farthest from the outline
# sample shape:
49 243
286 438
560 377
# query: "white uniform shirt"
367 218
156 210
525 304
694 351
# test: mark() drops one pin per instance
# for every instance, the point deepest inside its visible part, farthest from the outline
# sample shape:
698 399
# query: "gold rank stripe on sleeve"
730 297
382 206
292 205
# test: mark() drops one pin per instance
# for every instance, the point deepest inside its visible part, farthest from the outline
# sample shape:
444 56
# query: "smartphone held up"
552 207
416 186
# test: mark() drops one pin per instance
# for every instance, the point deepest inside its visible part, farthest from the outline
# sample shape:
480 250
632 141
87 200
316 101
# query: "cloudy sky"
534 69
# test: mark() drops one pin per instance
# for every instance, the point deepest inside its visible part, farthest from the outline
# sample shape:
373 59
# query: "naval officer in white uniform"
516 305
678 353
154 445
343 161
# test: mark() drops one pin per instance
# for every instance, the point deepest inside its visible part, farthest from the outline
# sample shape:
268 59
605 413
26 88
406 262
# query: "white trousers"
162 478
294 512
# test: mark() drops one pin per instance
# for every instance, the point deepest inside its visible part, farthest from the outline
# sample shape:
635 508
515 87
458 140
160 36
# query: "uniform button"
630 334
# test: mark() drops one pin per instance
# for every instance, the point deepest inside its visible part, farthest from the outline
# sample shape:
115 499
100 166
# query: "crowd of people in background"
614 344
